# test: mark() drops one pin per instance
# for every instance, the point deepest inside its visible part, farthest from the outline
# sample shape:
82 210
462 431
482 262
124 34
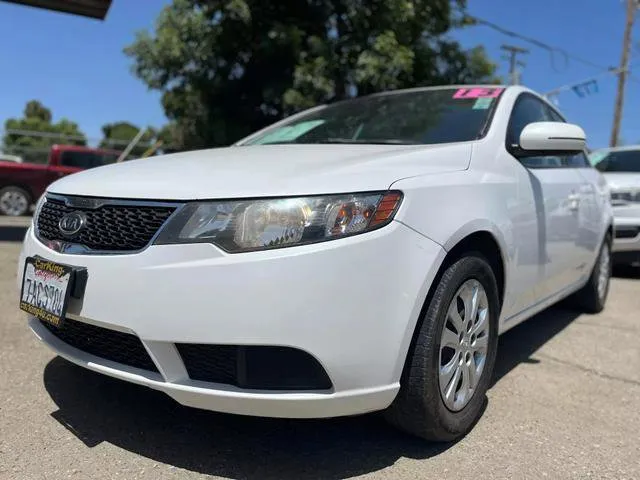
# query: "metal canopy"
86 8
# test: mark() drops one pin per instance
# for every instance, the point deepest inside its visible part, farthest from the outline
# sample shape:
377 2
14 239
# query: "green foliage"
170 138
117 135
229 67
37 118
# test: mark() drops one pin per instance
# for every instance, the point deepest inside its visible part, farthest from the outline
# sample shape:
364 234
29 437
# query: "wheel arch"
21 185
481 237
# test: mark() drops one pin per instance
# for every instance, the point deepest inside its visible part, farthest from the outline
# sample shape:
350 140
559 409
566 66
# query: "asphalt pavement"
565 404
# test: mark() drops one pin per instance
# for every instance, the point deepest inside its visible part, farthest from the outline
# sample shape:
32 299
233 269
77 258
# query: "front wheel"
14 201
449 368
593 296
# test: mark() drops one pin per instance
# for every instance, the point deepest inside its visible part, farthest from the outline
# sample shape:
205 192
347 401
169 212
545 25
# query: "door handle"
574 201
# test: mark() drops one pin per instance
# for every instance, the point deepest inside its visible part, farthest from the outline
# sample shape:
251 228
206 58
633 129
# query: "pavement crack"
611 327
592 371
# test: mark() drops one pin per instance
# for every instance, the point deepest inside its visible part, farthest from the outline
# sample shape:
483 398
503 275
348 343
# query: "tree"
229 67
37 119
170 137
117 135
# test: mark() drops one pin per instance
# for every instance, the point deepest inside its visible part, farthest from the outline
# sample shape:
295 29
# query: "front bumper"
351 304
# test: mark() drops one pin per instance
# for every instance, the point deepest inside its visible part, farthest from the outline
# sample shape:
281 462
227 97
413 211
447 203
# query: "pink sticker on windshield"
478 92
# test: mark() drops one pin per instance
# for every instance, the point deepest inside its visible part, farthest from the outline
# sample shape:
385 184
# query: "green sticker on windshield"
288 133
482 103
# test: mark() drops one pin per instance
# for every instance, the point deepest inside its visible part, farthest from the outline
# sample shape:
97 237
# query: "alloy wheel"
13 203
463 345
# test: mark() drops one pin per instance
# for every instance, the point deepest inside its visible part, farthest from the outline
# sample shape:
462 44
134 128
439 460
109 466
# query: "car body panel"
275 170
291 313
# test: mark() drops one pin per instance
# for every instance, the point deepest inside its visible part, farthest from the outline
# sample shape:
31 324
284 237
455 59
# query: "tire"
14 201
420 408
590 298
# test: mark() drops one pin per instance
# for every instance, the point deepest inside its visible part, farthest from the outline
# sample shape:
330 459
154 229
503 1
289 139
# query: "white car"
621 167
357 257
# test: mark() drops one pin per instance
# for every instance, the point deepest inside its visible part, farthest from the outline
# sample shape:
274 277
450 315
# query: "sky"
76 67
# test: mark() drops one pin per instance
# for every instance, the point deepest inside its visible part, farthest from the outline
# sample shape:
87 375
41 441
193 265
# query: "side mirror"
551 138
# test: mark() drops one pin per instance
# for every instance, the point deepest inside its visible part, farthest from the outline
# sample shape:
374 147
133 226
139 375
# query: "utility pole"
632 5
512 56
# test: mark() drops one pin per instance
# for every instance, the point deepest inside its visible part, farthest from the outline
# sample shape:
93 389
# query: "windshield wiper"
386 141
345 141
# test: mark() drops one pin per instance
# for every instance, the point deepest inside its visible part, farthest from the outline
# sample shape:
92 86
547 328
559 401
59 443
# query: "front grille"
108 227
625 196
111 345
627 232
254 367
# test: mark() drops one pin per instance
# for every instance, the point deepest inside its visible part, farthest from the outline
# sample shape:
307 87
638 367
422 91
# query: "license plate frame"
60 279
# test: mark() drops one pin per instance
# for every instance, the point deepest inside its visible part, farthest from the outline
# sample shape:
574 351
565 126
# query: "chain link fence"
34 147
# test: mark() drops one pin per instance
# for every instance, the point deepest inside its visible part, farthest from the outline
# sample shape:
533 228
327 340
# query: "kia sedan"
356 257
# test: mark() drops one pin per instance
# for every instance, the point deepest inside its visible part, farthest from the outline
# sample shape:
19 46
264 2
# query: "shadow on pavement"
627 271
517 345
12 233
97 409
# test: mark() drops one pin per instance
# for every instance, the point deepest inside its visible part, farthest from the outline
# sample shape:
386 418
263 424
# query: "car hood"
264 171
622 181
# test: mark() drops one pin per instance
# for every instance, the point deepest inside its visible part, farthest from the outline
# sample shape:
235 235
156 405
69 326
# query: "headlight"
248 225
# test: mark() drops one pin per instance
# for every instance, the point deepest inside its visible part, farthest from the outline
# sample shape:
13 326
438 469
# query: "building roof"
86 8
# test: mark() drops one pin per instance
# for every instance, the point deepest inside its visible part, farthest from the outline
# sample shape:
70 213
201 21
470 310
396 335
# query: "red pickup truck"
22 184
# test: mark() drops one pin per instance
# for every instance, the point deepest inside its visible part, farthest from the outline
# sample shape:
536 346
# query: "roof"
620 148
85 8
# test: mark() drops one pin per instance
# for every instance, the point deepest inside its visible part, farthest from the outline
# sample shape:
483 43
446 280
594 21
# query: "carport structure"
96 9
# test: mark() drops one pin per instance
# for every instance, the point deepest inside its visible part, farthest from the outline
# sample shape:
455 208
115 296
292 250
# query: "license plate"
45 289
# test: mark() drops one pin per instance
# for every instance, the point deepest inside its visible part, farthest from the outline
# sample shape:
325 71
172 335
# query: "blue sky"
76 67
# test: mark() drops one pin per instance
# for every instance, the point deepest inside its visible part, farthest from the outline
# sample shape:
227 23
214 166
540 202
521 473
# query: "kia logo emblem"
72 223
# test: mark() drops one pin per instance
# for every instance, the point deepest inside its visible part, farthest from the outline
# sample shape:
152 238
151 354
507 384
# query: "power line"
552 49
592 79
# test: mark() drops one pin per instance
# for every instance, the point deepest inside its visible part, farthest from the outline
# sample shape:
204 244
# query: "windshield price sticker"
45 289
464 93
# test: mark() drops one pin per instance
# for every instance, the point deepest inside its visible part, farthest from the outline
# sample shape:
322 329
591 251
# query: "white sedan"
357 257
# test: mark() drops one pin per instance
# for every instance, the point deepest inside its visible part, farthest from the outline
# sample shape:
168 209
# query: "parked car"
621 168
356 257
21 184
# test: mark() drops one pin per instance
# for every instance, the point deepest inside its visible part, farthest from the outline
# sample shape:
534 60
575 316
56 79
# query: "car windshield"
442 115
616 161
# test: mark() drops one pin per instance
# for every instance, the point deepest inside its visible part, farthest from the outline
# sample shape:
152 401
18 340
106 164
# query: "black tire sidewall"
593 281
471 266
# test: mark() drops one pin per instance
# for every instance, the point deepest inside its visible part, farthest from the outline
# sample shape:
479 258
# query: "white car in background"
621 167
356 257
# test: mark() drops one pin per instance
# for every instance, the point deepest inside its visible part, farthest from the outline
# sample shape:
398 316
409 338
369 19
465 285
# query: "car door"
592 195
555 190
